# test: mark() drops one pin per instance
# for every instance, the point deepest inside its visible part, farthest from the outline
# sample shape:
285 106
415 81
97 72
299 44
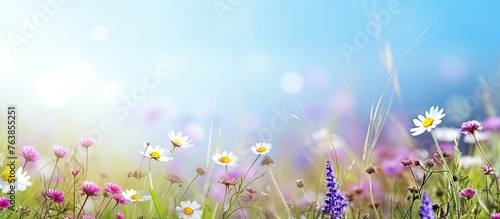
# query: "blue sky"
86 54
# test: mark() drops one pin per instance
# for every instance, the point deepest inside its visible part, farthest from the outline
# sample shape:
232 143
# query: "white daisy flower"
480 136
261 148
427 123
19 181
225 159
135 196
155 152
446 134
178 140
469 161
188 210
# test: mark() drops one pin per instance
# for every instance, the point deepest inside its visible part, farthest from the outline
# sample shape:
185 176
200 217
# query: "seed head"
200 171
370 169
136 174
267 160
174 178
300 183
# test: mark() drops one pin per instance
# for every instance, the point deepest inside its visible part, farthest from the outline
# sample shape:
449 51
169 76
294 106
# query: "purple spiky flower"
335 202
426 207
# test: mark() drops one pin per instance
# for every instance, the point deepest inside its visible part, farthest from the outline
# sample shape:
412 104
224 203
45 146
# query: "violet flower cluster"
335 202
426 207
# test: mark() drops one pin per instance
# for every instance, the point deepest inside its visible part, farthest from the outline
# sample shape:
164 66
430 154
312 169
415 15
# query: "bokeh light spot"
292 82
100 33
54 90
452 69
109 91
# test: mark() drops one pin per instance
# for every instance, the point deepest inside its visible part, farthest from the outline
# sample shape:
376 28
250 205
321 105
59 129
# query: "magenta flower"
59 151
86 142
471 127
75 171
495 215
407 162
119 198
88 217
112 188
491 124
392 168
120 215
90 189
29 153
4 203
488 170
467 193
55 195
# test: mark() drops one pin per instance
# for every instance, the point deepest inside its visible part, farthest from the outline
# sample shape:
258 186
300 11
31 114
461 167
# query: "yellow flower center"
177 143
428 122
6 177
188 211
261 149
135 197
154 154
225 159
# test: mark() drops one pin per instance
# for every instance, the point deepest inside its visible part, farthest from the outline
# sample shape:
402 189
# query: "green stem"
371 197
101 211
24 166
305 196
48 208
481 151
184 193
279 191
245 176
52 175
485 158
162 200
450 175
48 187
169 158
74 196
168 161
487 192
81 209
410 210
86 163
224 202
149 174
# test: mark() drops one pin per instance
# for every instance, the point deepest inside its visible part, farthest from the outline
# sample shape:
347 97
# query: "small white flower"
178 140
469 161
446 134
17 182
155 152
427 123
135 196
225 159
261 148
481 136
188 210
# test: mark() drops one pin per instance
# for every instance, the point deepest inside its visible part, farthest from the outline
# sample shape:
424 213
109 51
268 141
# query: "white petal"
421 118
433 109
440 111
417 122
417 131
436 122
440 116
